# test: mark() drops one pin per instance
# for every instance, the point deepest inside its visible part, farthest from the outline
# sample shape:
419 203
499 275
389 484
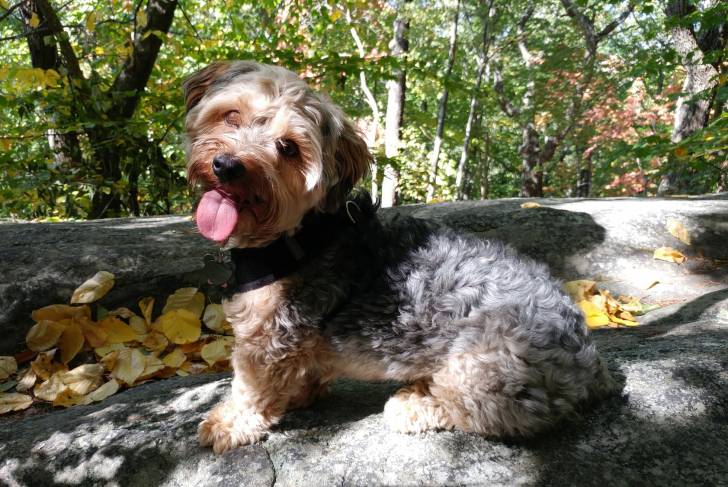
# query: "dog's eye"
233 118
287 147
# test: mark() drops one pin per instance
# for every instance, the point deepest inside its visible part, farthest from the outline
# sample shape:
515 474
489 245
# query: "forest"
457 99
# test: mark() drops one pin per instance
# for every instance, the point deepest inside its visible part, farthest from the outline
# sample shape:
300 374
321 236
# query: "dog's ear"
196 85
352 159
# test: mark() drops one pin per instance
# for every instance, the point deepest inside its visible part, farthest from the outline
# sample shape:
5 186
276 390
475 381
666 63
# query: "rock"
668 427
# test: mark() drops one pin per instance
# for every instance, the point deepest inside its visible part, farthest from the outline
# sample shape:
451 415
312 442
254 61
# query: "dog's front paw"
226 428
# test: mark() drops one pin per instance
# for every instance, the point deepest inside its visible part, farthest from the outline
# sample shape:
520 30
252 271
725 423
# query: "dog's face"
266 150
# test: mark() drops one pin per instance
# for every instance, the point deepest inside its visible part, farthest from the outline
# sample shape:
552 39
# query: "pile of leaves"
73 358
601 309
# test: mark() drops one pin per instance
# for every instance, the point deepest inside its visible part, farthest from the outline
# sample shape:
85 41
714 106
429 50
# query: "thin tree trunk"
460 177
442 106
485 165
396 89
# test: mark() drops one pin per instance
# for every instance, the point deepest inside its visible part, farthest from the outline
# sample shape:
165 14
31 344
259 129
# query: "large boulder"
668 427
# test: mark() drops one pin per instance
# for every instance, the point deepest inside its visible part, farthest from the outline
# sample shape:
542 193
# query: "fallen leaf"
8 367
179 325
117 331
175 358
44 366
669 254
139 325
594 315
129 365
67 398
6 386
155 341
49 389
71 342
107 349
217 350
214 318
94 288
186 298
84 378
95 336
106 390
13 401
122 312
580 290
58 312
152 365
44 335
530 204
194 368
146 306
678 230
27 381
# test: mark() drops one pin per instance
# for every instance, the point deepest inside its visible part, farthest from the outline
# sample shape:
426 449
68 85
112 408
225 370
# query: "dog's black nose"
227 167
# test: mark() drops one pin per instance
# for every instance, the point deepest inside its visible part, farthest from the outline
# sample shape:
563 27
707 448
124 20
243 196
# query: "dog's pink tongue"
216 216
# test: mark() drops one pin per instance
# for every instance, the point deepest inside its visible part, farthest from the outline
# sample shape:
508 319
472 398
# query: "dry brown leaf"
67 398
116 330
84 378
128 366
152 366
44 366
175 358
217 350
12 401
26 381
94 288
186 298
71 342
530 204
58 312
94 335
122 312
180 326
678 230
194 368
146 306
214 318
155 341
107 349
8 367
44 335
139 325
669 254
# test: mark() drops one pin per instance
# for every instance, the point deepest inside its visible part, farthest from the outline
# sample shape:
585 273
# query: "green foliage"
42 109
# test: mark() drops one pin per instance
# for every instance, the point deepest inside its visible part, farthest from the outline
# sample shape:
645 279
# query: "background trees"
548 97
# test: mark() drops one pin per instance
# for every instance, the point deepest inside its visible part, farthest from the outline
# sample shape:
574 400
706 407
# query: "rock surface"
669 427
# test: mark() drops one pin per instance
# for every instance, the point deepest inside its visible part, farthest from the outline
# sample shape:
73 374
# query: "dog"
484 339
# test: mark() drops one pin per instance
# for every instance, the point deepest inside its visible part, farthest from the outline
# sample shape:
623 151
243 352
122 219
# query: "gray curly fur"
409 296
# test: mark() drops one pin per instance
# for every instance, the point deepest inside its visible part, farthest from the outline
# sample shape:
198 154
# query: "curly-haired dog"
323 288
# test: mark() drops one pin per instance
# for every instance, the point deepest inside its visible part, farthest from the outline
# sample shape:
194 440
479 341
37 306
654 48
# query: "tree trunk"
583 187
531 168
485 165
396 89
460 177
442 106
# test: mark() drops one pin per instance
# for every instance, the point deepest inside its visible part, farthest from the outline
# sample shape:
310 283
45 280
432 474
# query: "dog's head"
266 150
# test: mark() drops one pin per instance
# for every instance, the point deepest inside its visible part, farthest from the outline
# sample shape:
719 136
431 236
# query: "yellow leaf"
34 21
621 321
84 378
13 401
335 15
530 204
186 298
139 325
71 342
146 306
193 368
155 341
141 19
107 349
95 336
43 335
175 358
152 365
8 367
27 381
122 312
4 4
51 78
130 364
67 398
594 315
58 312
678 230
48 390
179 325
669 254
117 331
94 288
580 290
217 351
91 21
214 318
104 391
44 366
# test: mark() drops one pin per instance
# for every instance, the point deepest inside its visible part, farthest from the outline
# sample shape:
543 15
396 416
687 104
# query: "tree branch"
10 11
55 27
522 48
505 104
